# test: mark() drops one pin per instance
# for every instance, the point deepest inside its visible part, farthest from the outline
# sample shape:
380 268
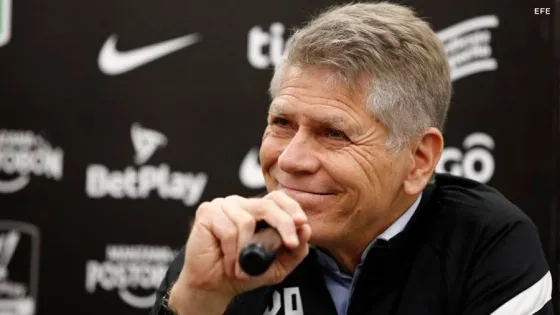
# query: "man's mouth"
304 190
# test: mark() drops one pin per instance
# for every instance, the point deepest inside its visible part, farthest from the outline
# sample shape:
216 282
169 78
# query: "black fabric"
170 277
467 250
547 309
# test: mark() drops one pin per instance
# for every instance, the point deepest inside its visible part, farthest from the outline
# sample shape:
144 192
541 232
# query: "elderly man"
354 135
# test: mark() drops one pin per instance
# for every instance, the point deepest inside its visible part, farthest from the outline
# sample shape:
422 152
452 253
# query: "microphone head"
254 259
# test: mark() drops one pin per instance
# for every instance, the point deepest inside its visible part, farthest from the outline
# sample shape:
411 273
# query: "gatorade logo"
5 21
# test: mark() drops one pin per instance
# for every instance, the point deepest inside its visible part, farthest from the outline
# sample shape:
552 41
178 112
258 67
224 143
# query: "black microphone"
257 256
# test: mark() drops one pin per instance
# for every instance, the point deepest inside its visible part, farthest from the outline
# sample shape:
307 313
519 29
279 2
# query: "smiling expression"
328 152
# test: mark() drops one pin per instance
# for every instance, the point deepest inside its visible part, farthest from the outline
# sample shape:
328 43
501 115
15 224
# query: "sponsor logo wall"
116 130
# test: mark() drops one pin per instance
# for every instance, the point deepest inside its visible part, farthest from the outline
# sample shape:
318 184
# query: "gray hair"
409 88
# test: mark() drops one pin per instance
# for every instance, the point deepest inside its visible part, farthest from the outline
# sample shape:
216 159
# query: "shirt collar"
399 225
326 261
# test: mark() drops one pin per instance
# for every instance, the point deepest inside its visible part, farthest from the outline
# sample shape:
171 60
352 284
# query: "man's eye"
333 133
280 122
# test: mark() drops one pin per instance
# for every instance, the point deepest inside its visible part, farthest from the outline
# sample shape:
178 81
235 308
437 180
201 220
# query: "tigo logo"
475 162
258 41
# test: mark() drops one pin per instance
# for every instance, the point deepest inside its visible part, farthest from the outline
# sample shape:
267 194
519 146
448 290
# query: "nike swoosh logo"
114 62
250 172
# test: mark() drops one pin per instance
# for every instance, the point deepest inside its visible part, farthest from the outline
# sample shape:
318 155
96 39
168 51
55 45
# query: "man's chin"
321 234
322 241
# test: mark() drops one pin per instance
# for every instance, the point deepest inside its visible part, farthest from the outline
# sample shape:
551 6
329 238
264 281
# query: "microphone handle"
256 257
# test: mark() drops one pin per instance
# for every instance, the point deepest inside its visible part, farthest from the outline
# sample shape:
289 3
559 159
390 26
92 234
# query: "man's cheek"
269 153
266 132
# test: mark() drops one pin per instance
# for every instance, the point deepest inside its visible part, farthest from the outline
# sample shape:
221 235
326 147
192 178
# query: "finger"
245 224
269 211
287 261
304 233
226 233
289 205
290 259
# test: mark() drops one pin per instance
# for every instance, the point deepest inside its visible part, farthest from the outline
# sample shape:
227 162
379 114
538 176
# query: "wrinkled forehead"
336 117
333 117
321 95
323 79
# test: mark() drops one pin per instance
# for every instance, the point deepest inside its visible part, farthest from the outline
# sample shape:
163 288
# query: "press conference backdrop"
119 117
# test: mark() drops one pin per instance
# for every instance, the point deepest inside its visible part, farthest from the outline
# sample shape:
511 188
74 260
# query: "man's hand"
211 272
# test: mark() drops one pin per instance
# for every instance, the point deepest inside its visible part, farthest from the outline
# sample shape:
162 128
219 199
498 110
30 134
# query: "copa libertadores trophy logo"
5 21
19 268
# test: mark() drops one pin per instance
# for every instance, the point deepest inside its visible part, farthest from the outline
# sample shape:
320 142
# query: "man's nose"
300 155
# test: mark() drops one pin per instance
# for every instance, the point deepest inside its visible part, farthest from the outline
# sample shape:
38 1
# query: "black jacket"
466 250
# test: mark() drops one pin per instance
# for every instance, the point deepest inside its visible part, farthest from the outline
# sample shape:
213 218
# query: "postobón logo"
19 268
475 161
22 154
139 182
5 21
265 49
134 271
467 45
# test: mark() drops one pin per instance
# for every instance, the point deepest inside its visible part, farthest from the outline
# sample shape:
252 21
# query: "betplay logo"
139 182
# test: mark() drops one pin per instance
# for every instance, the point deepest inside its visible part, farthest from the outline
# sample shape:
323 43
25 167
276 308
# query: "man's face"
325 150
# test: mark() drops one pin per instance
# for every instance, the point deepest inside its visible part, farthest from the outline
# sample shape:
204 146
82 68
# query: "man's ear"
425 155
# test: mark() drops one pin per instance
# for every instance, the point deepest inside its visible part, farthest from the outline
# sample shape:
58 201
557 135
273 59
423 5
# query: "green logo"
5 21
